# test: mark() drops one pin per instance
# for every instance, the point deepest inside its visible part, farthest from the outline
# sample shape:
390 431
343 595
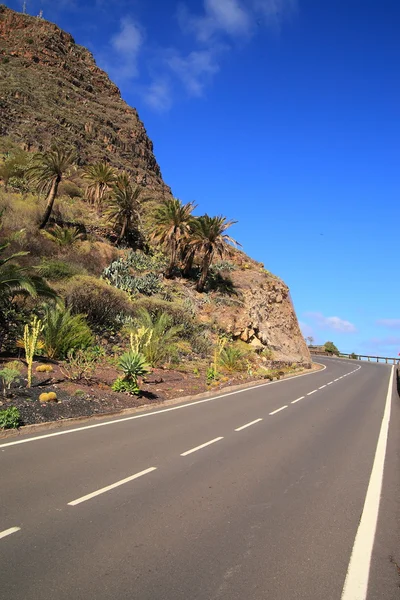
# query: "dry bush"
99 301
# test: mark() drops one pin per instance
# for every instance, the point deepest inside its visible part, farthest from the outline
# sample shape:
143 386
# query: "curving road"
253 495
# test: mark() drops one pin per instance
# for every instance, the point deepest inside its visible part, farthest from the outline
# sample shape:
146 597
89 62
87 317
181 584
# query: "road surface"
254 495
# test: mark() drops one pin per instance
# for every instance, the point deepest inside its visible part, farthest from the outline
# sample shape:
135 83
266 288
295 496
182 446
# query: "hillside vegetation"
112 291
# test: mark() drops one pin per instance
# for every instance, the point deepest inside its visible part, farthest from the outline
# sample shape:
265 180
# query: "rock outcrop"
52 90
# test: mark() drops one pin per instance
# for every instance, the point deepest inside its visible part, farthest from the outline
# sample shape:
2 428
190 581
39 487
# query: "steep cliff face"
51 89
264 315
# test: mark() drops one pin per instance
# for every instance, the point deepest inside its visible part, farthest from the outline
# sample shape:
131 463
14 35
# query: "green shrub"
221 266
354 356
7 376
231 359
70 189
118 274
63 236
10 418
125 385
56 270
102 303
82 364
64 332
5 60
159 342
331 348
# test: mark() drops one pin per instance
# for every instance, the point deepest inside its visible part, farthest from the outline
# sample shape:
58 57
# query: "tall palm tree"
210 239
101 177
124 205
172 228
46 172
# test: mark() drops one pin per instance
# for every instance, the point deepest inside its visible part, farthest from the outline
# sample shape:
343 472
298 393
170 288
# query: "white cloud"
333 323
390 341
194 70
274 12
159 95
391 323
226 16
127 44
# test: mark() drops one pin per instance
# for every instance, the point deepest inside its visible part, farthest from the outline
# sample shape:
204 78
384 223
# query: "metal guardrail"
355 356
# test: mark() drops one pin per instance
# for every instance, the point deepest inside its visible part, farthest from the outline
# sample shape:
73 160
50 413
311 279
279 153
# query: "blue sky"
284 115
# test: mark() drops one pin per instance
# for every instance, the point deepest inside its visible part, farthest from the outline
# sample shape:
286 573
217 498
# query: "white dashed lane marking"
9 531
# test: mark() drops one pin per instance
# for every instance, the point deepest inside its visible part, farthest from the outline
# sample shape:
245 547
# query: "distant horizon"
283 116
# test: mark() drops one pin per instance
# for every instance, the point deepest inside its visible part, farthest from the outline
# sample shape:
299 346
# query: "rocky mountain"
51 89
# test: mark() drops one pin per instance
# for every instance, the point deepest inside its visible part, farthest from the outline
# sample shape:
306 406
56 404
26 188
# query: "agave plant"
133 365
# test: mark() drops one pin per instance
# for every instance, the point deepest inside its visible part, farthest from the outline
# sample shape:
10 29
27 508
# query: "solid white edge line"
313 392
298 400
156 412
356 582
248 425
111 487
9 531
278 410
201 446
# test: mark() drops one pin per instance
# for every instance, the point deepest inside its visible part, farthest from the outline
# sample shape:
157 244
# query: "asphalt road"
254 495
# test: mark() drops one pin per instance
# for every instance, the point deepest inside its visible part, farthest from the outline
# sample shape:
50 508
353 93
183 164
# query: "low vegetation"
101 285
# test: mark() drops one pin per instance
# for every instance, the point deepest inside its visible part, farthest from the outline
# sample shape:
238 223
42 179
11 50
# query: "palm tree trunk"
188 263
123 230
172 261
50 201
204 271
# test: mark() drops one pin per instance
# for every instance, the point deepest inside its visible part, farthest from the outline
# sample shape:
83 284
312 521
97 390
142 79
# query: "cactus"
140 339
31 335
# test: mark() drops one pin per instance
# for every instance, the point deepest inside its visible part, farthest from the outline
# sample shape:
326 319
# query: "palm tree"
15 279
172 228
101 177
124 208
209 237
46 172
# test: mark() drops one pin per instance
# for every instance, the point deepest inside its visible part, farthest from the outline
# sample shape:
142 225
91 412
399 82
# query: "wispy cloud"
125 49
214 31
158 95
390 323
332 323
220 16
194 70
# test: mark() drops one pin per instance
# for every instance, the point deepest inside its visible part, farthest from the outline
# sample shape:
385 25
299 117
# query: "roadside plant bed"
95 397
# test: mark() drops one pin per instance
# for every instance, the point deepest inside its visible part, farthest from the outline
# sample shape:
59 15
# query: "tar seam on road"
356 583
201 446
111 487
7 532
156 412
248 424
